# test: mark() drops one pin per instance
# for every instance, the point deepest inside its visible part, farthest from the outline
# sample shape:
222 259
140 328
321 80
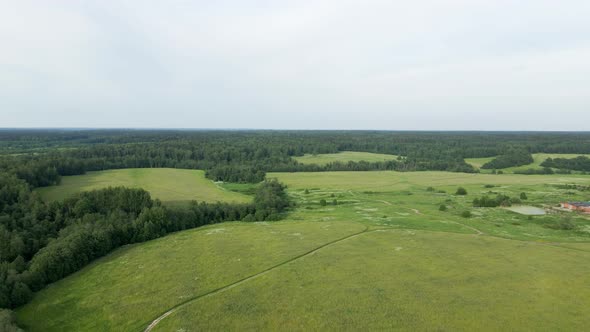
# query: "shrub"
442 207
430 189
523 196
564 224
323 202
466 214
335 202
461 191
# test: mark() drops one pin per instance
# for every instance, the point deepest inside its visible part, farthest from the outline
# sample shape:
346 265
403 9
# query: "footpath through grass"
127 289
416 268
407 280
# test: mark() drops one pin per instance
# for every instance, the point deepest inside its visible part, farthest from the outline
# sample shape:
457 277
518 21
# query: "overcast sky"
335 64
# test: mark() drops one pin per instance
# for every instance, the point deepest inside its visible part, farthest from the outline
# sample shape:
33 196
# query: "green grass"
127 289
344 157
538 159
386 258
411 281
167 184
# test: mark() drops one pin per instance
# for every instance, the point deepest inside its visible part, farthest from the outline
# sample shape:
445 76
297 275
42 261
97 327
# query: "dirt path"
155 322
467 226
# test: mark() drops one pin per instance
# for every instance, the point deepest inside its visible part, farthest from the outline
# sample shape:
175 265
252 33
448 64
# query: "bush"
8 321
523 196
335 202
430 189
323 202
466 214
461 191
564 224
442 207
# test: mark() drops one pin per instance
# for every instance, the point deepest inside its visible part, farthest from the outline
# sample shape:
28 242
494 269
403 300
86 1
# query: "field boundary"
170 311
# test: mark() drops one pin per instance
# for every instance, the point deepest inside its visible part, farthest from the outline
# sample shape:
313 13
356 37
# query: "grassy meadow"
167 184
406 280
359 251
344 156
125 290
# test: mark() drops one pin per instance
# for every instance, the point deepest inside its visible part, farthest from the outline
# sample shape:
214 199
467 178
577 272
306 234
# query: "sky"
321 64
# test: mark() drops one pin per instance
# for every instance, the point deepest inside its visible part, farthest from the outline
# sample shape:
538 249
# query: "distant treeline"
42 243
246 156
577 164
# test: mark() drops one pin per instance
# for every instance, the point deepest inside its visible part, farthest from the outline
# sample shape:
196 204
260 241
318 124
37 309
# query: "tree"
8 321
21 294
523 196
461 191
323 202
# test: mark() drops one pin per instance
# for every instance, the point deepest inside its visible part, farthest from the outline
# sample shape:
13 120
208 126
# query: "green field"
344 157
537 157
167 184
382 257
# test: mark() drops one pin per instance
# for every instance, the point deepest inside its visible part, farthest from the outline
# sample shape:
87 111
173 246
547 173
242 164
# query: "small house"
577 206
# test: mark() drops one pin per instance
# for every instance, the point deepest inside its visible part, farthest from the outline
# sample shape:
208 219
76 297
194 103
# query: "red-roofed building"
577 206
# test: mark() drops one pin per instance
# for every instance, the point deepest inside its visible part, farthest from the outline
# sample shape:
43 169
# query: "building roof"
580 204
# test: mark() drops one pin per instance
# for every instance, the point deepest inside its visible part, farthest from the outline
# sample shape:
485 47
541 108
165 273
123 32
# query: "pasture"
406 280
344 157
361 250
169 185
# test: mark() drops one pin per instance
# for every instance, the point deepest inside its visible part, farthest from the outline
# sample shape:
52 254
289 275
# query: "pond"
527 210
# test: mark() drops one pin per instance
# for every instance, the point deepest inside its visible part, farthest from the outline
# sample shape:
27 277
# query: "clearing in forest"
167 184
344 157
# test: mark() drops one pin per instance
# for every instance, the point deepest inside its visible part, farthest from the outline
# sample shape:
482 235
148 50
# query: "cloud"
296 64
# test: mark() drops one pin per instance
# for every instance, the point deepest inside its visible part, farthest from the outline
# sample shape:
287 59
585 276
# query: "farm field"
537 157
406 280
382 257
171 186
345 156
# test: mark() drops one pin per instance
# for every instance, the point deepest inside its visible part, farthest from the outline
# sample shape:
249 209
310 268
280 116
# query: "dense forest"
41 243
246 156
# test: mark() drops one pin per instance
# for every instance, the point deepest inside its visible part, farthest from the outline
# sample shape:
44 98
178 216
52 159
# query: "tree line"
580 163
42 243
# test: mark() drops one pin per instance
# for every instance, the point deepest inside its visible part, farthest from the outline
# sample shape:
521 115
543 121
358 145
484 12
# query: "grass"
127 289
405 265
169 185
412 281
538 159
344 157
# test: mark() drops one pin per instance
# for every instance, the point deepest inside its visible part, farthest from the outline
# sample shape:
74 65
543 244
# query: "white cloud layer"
424 64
